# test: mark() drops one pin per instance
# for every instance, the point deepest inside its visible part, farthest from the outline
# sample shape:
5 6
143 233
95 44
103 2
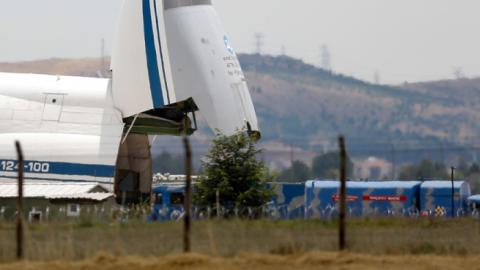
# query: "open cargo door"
133 177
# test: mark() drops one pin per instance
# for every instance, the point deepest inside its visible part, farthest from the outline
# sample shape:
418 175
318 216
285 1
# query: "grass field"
312 260
454 240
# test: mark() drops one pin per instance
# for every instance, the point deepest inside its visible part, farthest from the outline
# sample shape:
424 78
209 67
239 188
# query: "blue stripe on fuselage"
62 168
151 52
59 180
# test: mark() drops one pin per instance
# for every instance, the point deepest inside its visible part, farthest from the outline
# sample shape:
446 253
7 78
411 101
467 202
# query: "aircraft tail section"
140 66
205 66
169 51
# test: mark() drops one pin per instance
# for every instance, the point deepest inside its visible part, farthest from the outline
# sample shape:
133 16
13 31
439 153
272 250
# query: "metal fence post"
188 196
452 177
20 239
343 188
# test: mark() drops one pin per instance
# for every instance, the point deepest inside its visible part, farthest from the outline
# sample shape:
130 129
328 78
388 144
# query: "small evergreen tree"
231 167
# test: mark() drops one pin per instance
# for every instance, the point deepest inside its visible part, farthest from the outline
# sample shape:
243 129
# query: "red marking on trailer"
384 198
350 198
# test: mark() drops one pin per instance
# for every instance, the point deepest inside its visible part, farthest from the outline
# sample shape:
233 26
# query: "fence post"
343 199
20 253
188 196
217 202
394 165
452 178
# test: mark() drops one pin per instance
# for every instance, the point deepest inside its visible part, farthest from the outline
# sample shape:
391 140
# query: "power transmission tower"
259 42
283 51
458 73
376 77
325 58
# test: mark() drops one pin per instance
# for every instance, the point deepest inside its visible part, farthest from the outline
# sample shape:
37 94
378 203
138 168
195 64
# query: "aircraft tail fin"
175 50
141 75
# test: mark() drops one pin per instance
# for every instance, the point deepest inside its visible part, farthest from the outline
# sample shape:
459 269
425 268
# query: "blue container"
169 200
363 198
288 200
436 198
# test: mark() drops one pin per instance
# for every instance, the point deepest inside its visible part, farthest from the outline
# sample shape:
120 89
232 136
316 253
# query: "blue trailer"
436 198
320 199
363 198
288 201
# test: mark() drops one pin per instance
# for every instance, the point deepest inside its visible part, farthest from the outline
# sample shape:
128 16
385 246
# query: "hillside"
304 108
88 67
297 100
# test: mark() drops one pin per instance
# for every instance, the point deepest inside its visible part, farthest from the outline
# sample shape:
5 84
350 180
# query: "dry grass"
233 238
312 260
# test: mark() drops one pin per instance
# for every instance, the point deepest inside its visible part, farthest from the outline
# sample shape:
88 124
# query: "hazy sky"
404 40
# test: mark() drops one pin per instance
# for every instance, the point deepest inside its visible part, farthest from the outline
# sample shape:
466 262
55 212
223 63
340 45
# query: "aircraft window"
176 198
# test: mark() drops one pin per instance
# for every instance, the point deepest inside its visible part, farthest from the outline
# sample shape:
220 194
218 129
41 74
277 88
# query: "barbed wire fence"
395 153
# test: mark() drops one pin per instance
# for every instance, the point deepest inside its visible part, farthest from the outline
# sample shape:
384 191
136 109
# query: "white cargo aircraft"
171 58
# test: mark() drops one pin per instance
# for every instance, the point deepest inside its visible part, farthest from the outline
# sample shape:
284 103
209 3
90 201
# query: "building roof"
442 184
173 187
362 184
96 196
48 189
